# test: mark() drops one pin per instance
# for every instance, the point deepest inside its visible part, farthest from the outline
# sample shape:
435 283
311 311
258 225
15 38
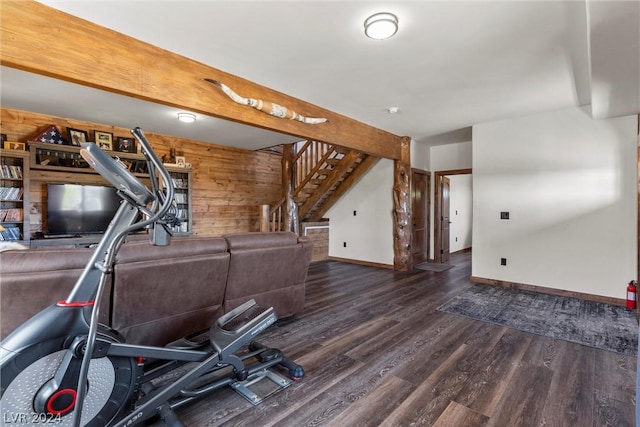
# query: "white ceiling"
451 65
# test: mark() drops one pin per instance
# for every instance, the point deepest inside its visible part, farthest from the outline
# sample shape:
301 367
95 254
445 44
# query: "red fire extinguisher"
632 293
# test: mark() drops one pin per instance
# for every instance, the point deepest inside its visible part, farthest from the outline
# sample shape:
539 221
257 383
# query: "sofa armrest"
31 280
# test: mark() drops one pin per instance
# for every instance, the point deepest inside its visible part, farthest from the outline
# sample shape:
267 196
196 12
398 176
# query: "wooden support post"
402 229
264 218
291 220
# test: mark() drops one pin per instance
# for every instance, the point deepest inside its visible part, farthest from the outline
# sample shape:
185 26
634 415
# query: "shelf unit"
63 163
182 184
67 158
14 195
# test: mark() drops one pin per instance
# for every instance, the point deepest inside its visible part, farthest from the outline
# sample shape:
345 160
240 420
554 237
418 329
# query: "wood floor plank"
460 416
524 397
570 400
427 403
374 407
614 384
486 387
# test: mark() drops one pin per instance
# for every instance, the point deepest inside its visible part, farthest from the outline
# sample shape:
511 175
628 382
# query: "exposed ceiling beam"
46 41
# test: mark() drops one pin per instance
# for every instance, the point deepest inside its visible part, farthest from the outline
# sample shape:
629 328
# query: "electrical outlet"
504 215
503 261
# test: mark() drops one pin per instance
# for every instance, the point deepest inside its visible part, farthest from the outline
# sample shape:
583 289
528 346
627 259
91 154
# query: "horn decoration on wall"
267 107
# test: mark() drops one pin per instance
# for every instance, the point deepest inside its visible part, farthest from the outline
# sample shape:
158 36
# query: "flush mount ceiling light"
381 25
392 110
187 117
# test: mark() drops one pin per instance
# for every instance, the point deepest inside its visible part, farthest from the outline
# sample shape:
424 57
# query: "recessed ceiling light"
381 25
187 117
393 110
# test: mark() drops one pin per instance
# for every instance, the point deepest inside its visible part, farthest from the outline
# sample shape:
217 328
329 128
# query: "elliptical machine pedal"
238 327
260 385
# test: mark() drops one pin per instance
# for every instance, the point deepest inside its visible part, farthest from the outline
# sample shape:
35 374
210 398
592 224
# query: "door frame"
437 203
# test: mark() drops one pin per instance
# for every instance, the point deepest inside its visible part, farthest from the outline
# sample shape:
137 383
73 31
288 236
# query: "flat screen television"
80 209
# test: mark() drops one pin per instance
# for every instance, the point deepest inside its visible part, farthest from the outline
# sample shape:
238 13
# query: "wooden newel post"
402 209
264 218
291 220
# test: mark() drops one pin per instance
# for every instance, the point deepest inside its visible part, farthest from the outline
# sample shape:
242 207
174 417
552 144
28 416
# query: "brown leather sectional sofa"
157 294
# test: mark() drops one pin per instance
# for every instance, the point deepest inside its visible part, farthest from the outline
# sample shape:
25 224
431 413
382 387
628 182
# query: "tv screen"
80 209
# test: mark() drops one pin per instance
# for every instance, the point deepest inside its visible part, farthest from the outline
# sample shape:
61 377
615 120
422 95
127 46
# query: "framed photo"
77 136
181 162
126 145
11 145
104 140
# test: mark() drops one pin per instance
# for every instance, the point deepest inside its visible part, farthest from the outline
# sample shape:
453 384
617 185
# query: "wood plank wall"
229 184
319 237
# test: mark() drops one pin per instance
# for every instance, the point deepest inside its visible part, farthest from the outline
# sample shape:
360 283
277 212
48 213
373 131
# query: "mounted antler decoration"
267 107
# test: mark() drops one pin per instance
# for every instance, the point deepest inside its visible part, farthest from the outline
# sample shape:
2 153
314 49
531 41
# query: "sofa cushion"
268 267
161 293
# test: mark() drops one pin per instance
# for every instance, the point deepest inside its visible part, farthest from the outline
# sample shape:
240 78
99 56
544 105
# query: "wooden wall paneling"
228 183
68 49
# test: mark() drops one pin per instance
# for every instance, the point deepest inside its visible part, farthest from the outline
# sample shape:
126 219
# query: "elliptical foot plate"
261 385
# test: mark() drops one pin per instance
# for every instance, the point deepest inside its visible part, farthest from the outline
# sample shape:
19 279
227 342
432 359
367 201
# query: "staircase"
321 174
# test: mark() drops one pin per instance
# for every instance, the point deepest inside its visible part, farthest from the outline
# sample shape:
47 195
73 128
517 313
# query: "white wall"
420 156
451 156
569 183
460 212
369 234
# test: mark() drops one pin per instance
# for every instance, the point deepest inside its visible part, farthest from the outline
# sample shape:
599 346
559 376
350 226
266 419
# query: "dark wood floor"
378 353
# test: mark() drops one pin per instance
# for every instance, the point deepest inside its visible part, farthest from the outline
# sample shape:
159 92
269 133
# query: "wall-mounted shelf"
182 184
67 158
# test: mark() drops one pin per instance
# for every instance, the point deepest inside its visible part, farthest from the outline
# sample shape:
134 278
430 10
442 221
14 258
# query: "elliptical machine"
62 366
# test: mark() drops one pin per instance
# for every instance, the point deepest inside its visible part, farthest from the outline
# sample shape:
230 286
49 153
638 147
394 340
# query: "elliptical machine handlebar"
129 187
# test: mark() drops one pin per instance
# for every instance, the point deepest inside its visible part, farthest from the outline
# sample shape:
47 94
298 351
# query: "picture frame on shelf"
13 145
181 161
126 145
77 136
103 140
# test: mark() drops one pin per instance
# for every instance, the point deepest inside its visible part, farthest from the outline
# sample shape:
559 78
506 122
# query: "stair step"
333 161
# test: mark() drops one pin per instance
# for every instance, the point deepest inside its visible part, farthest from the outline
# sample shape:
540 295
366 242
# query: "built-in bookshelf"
182 183
14 195
64 164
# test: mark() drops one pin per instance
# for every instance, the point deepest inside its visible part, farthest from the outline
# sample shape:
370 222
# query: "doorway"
421 207
441 213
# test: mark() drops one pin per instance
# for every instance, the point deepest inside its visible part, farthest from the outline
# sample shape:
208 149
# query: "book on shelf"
11 171
11 215
10 233
178 183
11 193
